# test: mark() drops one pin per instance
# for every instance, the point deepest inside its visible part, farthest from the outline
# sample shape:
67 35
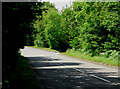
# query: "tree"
16 20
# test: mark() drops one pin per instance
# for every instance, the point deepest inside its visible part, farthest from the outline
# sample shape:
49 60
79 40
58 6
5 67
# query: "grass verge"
84 56
24 77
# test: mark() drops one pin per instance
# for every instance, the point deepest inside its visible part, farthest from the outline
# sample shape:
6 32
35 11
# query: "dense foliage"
91 27
16 23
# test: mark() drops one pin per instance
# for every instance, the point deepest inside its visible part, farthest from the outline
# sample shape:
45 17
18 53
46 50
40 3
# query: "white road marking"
65 66
74 67
93 75
79 70
90 75
100 78
57 53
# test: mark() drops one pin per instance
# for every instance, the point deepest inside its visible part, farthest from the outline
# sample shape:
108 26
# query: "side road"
54 70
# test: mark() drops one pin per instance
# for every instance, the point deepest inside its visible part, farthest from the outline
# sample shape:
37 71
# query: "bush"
112 54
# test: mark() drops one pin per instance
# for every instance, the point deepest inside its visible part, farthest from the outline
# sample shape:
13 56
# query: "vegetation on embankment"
23 76
16 26
85 56
90 28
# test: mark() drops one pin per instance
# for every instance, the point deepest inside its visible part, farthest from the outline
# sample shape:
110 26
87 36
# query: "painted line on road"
56 52
79 70
100 78
66 66
94 76
90 75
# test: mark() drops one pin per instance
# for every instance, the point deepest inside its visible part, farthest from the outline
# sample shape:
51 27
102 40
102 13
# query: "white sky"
59 4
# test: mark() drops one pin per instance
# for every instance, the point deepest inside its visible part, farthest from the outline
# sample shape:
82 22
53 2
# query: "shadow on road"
69 78
41 59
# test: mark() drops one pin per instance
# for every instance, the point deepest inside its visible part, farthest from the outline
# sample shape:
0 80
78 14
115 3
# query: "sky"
59 4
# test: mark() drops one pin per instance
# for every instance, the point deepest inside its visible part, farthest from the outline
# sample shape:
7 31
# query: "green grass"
83 56
24 77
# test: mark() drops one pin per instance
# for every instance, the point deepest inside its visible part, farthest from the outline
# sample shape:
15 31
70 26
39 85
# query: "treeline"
91 27
17 18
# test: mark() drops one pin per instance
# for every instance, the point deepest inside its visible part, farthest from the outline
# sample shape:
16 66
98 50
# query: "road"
57 71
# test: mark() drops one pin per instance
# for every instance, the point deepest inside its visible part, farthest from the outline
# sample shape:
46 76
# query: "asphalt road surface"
57 71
